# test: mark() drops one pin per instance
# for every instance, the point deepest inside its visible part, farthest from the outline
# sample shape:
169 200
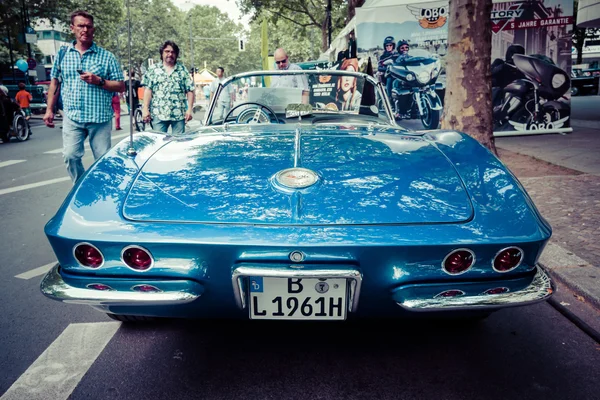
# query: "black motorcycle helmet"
400 44
389 40
512 50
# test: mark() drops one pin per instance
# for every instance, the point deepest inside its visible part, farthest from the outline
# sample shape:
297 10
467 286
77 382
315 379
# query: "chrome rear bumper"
540 289
54 286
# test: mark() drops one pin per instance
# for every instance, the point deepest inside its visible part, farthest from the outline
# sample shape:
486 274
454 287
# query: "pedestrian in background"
282 63
89 77
225 100
135 100
116 106
168 92
8 108
23 99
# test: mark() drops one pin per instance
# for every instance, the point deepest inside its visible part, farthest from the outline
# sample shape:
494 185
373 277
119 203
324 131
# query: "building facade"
49 40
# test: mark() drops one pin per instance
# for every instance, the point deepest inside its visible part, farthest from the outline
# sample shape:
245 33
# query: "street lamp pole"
131 150
191 43
328 23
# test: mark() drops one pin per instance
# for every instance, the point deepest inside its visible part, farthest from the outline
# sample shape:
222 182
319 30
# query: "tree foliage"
301 13
107 13
13 14
214 37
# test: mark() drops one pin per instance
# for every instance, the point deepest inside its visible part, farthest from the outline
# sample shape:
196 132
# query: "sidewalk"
562 175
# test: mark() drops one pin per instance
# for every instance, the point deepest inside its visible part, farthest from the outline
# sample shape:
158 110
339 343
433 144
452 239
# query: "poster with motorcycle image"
531 63
338 93
408 41
530 95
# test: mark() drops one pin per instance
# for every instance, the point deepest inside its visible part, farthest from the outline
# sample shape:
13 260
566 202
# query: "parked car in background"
584 84
305 201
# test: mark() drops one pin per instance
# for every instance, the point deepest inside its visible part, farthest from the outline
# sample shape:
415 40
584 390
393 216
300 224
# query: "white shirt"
290 81
225 96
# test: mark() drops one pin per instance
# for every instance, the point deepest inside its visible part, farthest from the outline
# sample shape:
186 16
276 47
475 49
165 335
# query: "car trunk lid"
379 178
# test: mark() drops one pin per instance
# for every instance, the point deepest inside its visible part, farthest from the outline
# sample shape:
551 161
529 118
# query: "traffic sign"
31 63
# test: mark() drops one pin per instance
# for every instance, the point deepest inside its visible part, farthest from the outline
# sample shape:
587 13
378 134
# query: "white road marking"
10 162
54 151
58 371
36 272
33 185
87 146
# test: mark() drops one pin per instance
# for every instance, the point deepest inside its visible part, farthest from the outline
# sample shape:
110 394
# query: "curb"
574 287
573 272
582 123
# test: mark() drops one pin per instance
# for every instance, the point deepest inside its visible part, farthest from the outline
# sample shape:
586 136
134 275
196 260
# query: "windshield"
305 96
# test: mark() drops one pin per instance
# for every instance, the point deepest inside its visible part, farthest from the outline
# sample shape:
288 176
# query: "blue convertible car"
297 198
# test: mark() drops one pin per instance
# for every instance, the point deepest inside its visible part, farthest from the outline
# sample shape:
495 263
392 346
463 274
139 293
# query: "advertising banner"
338 93
531 59
531 66
408 41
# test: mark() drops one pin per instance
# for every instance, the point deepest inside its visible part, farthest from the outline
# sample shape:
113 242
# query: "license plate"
298 298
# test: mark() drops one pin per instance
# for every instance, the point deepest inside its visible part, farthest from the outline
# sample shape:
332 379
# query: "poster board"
543 28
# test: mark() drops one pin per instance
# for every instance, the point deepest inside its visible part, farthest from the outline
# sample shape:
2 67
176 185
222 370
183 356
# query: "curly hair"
164 46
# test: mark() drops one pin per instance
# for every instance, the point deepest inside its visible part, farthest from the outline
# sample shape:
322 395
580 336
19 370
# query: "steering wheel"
256 117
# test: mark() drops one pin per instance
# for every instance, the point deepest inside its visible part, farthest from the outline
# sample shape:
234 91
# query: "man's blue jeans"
163 126
74 134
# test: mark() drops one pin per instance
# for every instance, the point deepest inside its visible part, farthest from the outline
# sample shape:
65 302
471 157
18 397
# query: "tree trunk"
324 36
468 99
352 5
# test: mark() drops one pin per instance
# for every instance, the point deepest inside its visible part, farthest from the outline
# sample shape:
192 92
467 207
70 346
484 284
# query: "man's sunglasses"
389 45
404 48
281 62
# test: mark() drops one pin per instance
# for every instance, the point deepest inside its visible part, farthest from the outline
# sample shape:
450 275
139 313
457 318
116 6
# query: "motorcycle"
413 95
531 103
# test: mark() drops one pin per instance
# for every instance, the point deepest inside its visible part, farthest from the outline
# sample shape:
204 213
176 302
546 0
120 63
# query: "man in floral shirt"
167 87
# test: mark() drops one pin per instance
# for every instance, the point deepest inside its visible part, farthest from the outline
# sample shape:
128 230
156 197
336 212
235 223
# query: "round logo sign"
297 178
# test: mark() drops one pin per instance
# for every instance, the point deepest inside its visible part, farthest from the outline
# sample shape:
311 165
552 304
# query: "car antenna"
131 150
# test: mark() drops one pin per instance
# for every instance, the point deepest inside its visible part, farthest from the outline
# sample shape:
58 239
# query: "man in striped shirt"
87 75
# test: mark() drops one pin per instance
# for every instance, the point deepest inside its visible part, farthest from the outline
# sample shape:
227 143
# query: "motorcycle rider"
389 47
403 101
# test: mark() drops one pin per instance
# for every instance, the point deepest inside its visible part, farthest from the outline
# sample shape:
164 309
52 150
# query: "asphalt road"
524 353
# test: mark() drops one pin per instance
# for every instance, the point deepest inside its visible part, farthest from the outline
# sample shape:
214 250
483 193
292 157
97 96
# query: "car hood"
376 178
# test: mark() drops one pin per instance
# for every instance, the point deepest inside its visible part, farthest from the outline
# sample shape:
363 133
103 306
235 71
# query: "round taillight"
507 259
146 288
88 255
137 258
458 262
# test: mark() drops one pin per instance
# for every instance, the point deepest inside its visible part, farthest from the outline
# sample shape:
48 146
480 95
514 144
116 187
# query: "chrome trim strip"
540 289
297 147
54 287
353 276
